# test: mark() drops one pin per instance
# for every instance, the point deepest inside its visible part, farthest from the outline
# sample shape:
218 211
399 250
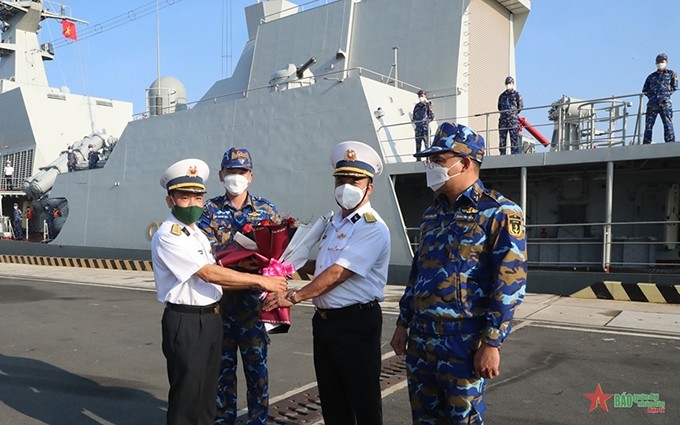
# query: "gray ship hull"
597 203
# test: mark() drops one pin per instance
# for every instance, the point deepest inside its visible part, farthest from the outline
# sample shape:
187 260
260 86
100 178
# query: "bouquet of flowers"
275 248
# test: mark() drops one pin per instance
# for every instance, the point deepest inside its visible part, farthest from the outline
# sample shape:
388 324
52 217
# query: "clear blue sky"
582 48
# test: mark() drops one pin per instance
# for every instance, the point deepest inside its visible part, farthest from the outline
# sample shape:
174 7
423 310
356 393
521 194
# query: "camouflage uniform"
658 87
509 103
243 330
422 116
467 277
71 160
18 230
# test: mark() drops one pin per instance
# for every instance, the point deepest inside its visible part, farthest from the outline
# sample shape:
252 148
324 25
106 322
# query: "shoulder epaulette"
176 230
369 217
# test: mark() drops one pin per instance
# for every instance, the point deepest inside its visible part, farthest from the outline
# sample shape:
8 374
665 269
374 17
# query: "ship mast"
21 55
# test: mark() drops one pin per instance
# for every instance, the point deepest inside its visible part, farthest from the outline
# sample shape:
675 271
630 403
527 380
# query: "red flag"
68 29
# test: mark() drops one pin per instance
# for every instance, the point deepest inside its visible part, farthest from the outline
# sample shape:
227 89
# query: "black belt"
213 308
334 313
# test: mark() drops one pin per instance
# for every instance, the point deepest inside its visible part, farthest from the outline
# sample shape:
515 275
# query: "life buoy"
151 229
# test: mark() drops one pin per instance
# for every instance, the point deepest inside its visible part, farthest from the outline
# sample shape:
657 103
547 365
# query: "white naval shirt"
361 247
176 258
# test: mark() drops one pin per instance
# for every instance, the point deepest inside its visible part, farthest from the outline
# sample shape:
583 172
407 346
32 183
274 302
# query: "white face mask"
348 196
509 86
438 175
422 99
235 184
661 66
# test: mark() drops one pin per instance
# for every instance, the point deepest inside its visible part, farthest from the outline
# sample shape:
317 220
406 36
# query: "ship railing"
571 124
297 8
576 246
608 247
335 76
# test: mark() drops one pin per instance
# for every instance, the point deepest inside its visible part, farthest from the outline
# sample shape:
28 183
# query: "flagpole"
158 47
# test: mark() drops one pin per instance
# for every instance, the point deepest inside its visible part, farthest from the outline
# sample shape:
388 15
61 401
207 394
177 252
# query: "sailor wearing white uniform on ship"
189 283
349 279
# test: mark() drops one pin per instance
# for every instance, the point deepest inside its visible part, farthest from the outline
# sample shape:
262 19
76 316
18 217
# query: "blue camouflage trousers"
422 138
243 331
441 383
18 230
508 124
664 109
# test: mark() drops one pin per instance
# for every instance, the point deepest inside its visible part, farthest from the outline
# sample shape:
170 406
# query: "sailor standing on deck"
658 87
16 223
422 116
510 103
189 284
92 157
9 172
467 278
71 160
349 280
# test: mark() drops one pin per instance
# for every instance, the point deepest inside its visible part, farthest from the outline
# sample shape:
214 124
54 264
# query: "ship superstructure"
39 122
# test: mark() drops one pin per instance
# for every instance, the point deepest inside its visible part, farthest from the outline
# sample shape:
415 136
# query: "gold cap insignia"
350 155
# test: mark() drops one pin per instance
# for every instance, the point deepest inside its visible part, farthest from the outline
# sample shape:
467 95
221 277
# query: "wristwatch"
290 296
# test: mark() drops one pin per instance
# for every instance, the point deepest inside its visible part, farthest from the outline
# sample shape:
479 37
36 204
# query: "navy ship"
599 204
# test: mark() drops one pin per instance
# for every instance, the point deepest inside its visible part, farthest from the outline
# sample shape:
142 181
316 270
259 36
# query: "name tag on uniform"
461 216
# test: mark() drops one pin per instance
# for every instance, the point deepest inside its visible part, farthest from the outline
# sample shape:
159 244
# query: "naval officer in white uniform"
190 285
349 280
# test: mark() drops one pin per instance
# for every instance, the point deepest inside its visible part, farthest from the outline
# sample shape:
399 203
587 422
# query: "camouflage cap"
661 57
509 80
237 158
456 138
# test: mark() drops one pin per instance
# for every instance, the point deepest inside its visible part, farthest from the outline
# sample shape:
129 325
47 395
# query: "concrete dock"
82 346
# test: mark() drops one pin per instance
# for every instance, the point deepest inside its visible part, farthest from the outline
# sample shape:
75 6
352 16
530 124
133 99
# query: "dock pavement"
83 346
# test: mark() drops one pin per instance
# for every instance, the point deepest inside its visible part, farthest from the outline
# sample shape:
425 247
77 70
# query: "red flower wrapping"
271 239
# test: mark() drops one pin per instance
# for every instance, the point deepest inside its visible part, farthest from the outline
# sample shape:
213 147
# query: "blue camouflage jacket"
660 86
422 115
221 220
510 103
470 264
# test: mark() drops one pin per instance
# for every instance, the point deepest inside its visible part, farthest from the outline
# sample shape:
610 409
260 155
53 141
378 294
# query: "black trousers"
347 363
191 345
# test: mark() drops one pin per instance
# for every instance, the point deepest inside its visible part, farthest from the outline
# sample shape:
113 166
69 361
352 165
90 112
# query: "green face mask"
187 215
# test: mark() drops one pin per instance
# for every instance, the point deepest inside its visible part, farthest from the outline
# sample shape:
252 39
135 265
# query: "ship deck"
84 347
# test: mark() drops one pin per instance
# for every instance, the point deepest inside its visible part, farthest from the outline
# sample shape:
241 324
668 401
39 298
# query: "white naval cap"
188 175
355 159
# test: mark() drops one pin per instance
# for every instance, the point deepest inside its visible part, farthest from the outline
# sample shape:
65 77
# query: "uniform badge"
176 230
469 210
350 155
515 227
460 216
355 218
369 217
